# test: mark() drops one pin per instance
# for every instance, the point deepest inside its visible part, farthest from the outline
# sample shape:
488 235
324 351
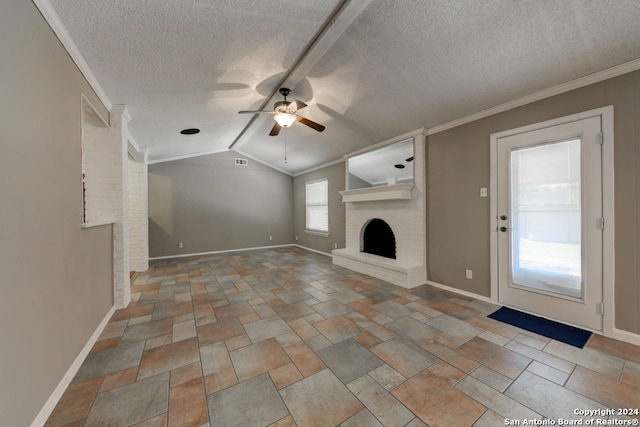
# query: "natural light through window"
317 206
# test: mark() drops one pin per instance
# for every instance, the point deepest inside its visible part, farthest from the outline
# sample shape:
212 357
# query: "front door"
550 221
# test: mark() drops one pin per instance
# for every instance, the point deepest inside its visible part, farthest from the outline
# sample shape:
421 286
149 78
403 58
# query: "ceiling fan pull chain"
285 147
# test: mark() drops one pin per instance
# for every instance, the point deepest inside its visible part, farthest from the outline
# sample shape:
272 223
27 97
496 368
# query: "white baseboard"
218 252
460 291
55 397
626 336
312 250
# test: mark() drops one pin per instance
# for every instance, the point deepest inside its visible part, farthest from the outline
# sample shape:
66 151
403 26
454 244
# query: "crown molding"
52 18
581 82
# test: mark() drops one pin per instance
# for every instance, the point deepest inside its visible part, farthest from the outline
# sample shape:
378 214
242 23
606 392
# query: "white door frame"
608 273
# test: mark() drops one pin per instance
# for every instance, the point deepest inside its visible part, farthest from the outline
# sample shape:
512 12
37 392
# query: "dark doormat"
548 328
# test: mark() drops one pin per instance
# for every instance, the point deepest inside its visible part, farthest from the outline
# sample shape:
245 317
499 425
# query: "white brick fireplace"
402 207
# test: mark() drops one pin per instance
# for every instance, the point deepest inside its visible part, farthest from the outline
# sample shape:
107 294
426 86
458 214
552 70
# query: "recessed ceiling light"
191 131
399 166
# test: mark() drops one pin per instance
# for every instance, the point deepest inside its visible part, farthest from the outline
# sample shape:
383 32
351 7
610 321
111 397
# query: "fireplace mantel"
383 192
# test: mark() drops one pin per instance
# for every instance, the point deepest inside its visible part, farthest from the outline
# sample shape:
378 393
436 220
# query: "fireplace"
397 213
378 239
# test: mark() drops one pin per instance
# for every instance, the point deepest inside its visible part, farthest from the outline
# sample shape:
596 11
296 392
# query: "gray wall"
56 277
458 165
336 176
209 204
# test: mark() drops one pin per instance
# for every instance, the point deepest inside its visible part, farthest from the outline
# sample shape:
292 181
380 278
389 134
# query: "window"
317 206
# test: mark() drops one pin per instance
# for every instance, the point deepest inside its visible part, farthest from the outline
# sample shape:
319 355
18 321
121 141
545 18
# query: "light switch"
483 192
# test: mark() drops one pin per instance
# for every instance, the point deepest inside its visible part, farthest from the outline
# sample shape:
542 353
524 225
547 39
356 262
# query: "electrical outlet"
270 237
469 274
180 245
296 238
335 245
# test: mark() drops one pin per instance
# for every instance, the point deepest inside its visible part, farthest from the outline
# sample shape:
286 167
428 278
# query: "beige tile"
434 401
604 389
452 357
303 328
542 357
338 329
75 403
617 348
446 372
285 375
186 373
220 380
188 405
117 379
491 378
547 398
168 357
552 374
387 377
307 362
500 359
496 401
320 400
384 406
595 360
259 358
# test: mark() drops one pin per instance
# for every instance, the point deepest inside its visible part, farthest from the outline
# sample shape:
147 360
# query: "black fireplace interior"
378 239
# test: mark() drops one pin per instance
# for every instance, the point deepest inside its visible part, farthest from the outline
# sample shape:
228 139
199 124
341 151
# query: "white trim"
414 133
625 336
217 252
316 232
460 291
55 397
85 100
608 188
313 250
581 82
54 21
381 192
186 156
315 168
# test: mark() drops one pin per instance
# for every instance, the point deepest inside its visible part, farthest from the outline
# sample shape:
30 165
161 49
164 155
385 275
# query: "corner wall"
208 204
138 216
336 239
57 278
458 166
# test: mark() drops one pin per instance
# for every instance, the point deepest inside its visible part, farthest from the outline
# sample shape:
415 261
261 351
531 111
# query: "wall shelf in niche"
383 192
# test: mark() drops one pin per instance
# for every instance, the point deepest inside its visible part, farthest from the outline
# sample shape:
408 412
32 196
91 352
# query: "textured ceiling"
369 70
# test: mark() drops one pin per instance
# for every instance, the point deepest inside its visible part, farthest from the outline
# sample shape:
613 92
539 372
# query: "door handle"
504 229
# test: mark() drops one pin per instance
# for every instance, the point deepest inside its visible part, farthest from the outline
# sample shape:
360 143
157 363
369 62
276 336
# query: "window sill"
317 233
97 223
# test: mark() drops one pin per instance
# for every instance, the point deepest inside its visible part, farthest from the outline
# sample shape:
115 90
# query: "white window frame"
313 228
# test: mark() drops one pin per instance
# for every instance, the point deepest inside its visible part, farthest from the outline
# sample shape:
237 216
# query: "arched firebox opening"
378 239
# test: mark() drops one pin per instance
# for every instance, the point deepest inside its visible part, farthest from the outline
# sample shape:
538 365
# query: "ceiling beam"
333 27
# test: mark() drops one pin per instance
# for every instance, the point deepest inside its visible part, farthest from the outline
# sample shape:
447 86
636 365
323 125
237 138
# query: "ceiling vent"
241 162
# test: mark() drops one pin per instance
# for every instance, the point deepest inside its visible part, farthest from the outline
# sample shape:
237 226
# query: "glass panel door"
546 218
548 199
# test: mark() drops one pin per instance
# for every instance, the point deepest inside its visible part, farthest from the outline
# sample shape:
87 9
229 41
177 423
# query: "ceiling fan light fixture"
285 119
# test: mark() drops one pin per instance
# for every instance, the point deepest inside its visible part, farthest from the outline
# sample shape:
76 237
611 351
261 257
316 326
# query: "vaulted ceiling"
369 70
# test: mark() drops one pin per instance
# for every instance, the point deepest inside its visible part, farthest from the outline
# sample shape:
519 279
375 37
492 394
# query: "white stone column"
119 118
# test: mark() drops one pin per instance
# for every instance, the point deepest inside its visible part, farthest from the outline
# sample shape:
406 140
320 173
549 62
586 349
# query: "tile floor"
281 337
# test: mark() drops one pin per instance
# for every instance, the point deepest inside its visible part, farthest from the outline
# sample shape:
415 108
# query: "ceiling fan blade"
255 112
275 129
311 124
297 104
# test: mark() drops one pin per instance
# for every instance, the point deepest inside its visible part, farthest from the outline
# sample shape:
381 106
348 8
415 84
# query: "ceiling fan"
285 114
